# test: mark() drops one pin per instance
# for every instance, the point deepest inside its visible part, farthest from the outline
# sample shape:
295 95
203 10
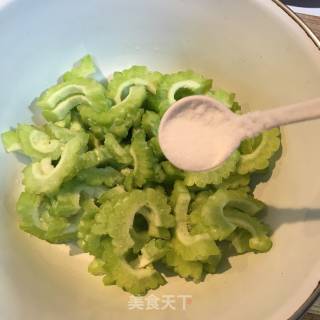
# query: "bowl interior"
249 47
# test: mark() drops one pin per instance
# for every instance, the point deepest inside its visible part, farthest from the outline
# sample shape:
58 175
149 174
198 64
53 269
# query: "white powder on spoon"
195 135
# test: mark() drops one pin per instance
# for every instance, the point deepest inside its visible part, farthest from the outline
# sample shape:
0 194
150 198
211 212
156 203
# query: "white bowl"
253 48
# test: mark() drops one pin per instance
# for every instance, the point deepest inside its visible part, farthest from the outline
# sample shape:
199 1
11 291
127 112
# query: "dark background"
303 3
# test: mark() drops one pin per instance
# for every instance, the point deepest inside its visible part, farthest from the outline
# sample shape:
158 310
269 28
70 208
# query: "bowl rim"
306 305
298 314
299 21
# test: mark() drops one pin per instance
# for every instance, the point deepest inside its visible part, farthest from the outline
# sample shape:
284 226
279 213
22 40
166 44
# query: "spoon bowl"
197 133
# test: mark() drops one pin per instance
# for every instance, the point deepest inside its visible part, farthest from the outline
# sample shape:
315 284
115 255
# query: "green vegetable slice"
108 176
172 172
64 123
190 270
35 218
56 132
199 200
135 76
66 203
212 217
145 163
214 176
83 69
259 240
95 157
32 141
57 101
112 194
140 239
155 147
172 84
96 267
150 123
43 177
11 141
212 264
137 281
236 181
121 217
152 251
100 226
118 153
195 218
240 240
121 117
227 98
190 247
257 152
87 240
37 144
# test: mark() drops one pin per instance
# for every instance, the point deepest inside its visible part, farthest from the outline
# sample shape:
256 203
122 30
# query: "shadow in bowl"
281 216
265 175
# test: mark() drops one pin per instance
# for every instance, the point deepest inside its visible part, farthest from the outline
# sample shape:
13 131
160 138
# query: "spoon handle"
256 122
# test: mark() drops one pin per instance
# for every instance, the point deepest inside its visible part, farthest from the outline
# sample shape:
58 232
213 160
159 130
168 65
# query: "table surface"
313 23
